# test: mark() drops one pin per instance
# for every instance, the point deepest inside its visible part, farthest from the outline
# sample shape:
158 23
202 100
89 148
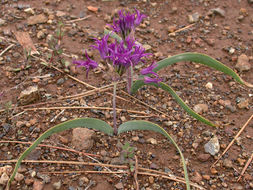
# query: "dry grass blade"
246 166
6 49
143 103
231 143
171 178
88 172
64 162
80 107
54 147
136 173
79 19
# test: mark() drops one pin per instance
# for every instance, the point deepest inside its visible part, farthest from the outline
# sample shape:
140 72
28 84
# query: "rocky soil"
35 97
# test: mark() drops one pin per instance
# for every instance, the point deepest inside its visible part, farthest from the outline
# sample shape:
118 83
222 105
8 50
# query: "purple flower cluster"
124 54
149 71
88 64
127 23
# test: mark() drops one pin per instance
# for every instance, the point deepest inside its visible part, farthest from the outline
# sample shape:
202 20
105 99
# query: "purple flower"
138 54
102 47
125 54
139 17
127 22
88 64
152 80
149 69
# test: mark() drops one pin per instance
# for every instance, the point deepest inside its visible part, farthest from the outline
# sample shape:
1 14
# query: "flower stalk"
115 128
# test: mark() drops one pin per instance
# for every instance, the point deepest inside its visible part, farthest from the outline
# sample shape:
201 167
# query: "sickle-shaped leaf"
202 59
146 125
90 123
139 83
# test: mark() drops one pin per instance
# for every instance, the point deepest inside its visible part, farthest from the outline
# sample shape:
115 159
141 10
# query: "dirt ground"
221 29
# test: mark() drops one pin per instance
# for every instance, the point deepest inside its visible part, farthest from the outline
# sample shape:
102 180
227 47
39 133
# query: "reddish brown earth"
224 37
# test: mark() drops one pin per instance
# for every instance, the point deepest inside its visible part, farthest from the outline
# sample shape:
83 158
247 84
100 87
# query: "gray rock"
193 18
213 146
200 108
82 138
57 185
44 177
37 19
218 11
119 185
244 103
228 163
29 95
16 55
41 35
4 178
61 14
6 127
60 81
2 22
19 177
152 141
83 180
243 63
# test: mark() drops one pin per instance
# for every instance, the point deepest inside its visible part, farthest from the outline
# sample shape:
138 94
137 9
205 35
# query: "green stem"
114 108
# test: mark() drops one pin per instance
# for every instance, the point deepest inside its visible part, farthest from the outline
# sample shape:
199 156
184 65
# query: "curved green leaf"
90 123
202 59
139 83
146 125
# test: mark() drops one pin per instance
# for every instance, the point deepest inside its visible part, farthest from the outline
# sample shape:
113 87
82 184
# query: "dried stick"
246 166
90 184
231 143
170 178
65 162
76 96
6 49
80 107
181 29
55 117
79 19
104 166
55 147
143 103
80 172
136 172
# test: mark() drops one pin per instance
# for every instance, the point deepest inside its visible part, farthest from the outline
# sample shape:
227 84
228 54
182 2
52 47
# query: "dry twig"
6 49
181 29
79 19
231 143
136 172
54 147
143 103
80 107
246 166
